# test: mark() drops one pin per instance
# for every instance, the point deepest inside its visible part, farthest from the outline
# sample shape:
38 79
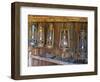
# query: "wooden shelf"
39 18
50 60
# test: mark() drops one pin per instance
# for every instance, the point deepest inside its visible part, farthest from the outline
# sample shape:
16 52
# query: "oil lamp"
50 36
63 41
33 42
83 45
41 38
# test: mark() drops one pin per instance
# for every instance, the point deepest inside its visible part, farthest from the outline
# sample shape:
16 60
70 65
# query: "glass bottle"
50 36
40 35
